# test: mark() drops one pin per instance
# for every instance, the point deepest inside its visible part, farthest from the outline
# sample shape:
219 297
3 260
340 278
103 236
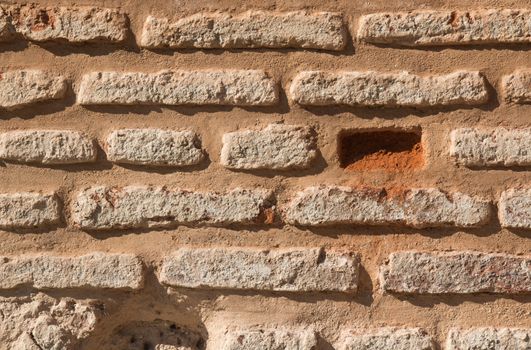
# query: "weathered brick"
322 206
47 147
270 339
98 270
293 270
154 147
387 338
275 147
456 273
516 87
28 209
251 29
320 88
102 207
514 208
72 24
420 28
224 87
19 88
489 338
491 147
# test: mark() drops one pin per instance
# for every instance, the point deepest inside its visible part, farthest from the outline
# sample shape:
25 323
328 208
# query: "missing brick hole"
387 150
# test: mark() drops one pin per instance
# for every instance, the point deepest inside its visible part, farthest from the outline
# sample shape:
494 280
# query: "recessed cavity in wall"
391 150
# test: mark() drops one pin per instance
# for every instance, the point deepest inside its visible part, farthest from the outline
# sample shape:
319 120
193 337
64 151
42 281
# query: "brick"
251 29
491 147
19 88
28 210
516 87
47 147
418 207
74 24
270 339
426 28
224 87
514 208
489 338
275 147
97 270
102 207
290 270
154 147
387 338
321 88
456 273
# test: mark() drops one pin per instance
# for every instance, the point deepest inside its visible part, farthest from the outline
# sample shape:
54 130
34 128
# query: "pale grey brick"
102 207
47 147
213 87
251 29
514 208
97 270
418 28
321 88
19 88
456 273
71 24
332 205
270 339
491 146
387 338
275 147
154 147
516 87
28 210
489 339
293 270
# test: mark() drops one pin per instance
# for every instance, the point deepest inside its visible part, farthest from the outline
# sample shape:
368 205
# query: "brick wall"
299 175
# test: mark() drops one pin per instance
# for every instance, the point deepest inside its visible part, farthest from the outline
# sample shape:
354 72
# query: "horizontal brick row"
378 339
267 29
455 273
275 147
98 270
70 24
425 28
19 88
281 269
104 208
484 147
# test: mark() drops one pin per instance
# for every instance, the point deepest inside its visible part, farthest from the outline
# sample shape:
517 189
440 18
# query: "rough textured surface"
293 270
332 205
514 208
491 147
223 87
156 335
320 88
19 88
28 209
47 147
74 24
154 147
42 322
516 87
270 339
97 270
447 27
251 29
387 338
139 206
489 338
275 147
456 272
